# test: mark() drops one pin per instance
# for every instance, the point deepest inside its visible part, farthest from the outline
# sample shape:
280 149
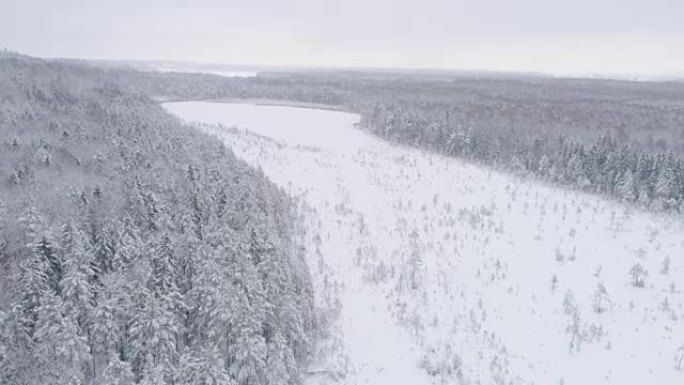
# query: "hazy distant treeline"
621 139
136 249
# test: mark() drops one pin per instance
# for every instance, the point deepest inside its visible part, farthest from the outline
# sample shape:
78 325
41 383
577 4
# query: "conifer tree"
60 347
78 291
205 367
117 372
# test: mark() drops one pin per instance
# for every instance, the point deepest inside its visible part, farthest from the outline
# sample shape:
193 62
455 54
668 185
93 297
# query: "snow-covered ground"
431 270
228 74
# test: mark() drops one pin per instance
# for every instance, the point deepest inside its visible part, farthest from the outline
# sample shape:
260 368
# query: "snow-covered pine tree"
280 363
104 333
638 275
60 348
48 255
204 367
247 346
117 372
626 187
152 336
78 292
601 300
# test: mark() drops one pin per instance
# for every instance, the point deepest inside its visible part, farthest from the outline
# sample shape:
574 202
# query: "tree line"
602 165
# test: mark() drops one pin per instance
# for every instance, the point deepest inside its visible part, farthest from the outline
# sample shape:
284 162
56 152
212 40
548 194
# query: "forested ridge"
603 165
623 140
134 249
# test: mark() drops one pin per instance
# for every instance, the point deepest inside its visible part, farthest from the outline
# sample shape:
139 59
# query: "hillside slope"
133 248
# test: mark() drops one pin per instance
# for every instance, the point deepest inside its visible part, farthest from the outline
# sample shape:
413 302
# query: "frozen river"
431 270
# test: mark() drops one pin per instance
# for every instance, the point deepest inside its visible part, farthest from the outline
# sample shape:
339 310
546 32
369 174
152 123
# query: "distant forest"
624 140
134 248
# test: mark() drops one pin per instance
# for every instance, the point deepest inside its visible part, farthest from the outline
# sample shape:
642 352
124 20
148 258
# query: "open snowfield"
433 271
227 74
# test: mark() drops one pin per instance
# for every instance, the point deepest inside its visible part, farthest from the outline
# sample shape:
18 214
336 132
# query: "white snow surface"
431 270
227 74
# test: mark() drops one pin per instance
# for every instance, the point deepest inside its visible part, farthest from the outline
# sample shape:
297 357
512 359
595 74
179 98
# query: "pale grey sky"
553 36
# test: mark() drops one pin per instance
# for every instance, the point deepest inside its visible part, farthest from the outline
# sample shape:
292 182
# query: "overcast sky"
641 37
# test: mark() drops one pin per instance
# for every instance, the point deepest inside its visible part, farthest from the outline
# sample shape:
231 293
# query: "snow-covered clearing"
432 270
227 74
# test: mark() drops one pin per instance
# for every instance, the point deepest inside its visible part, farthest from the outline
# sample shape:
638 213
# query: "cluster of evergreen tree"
134 249
601 166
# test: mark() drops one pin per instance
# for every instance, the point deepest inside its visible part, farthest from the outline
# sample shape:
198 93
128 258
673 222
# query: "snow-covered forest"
326 192
134 249
423 229
618 139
